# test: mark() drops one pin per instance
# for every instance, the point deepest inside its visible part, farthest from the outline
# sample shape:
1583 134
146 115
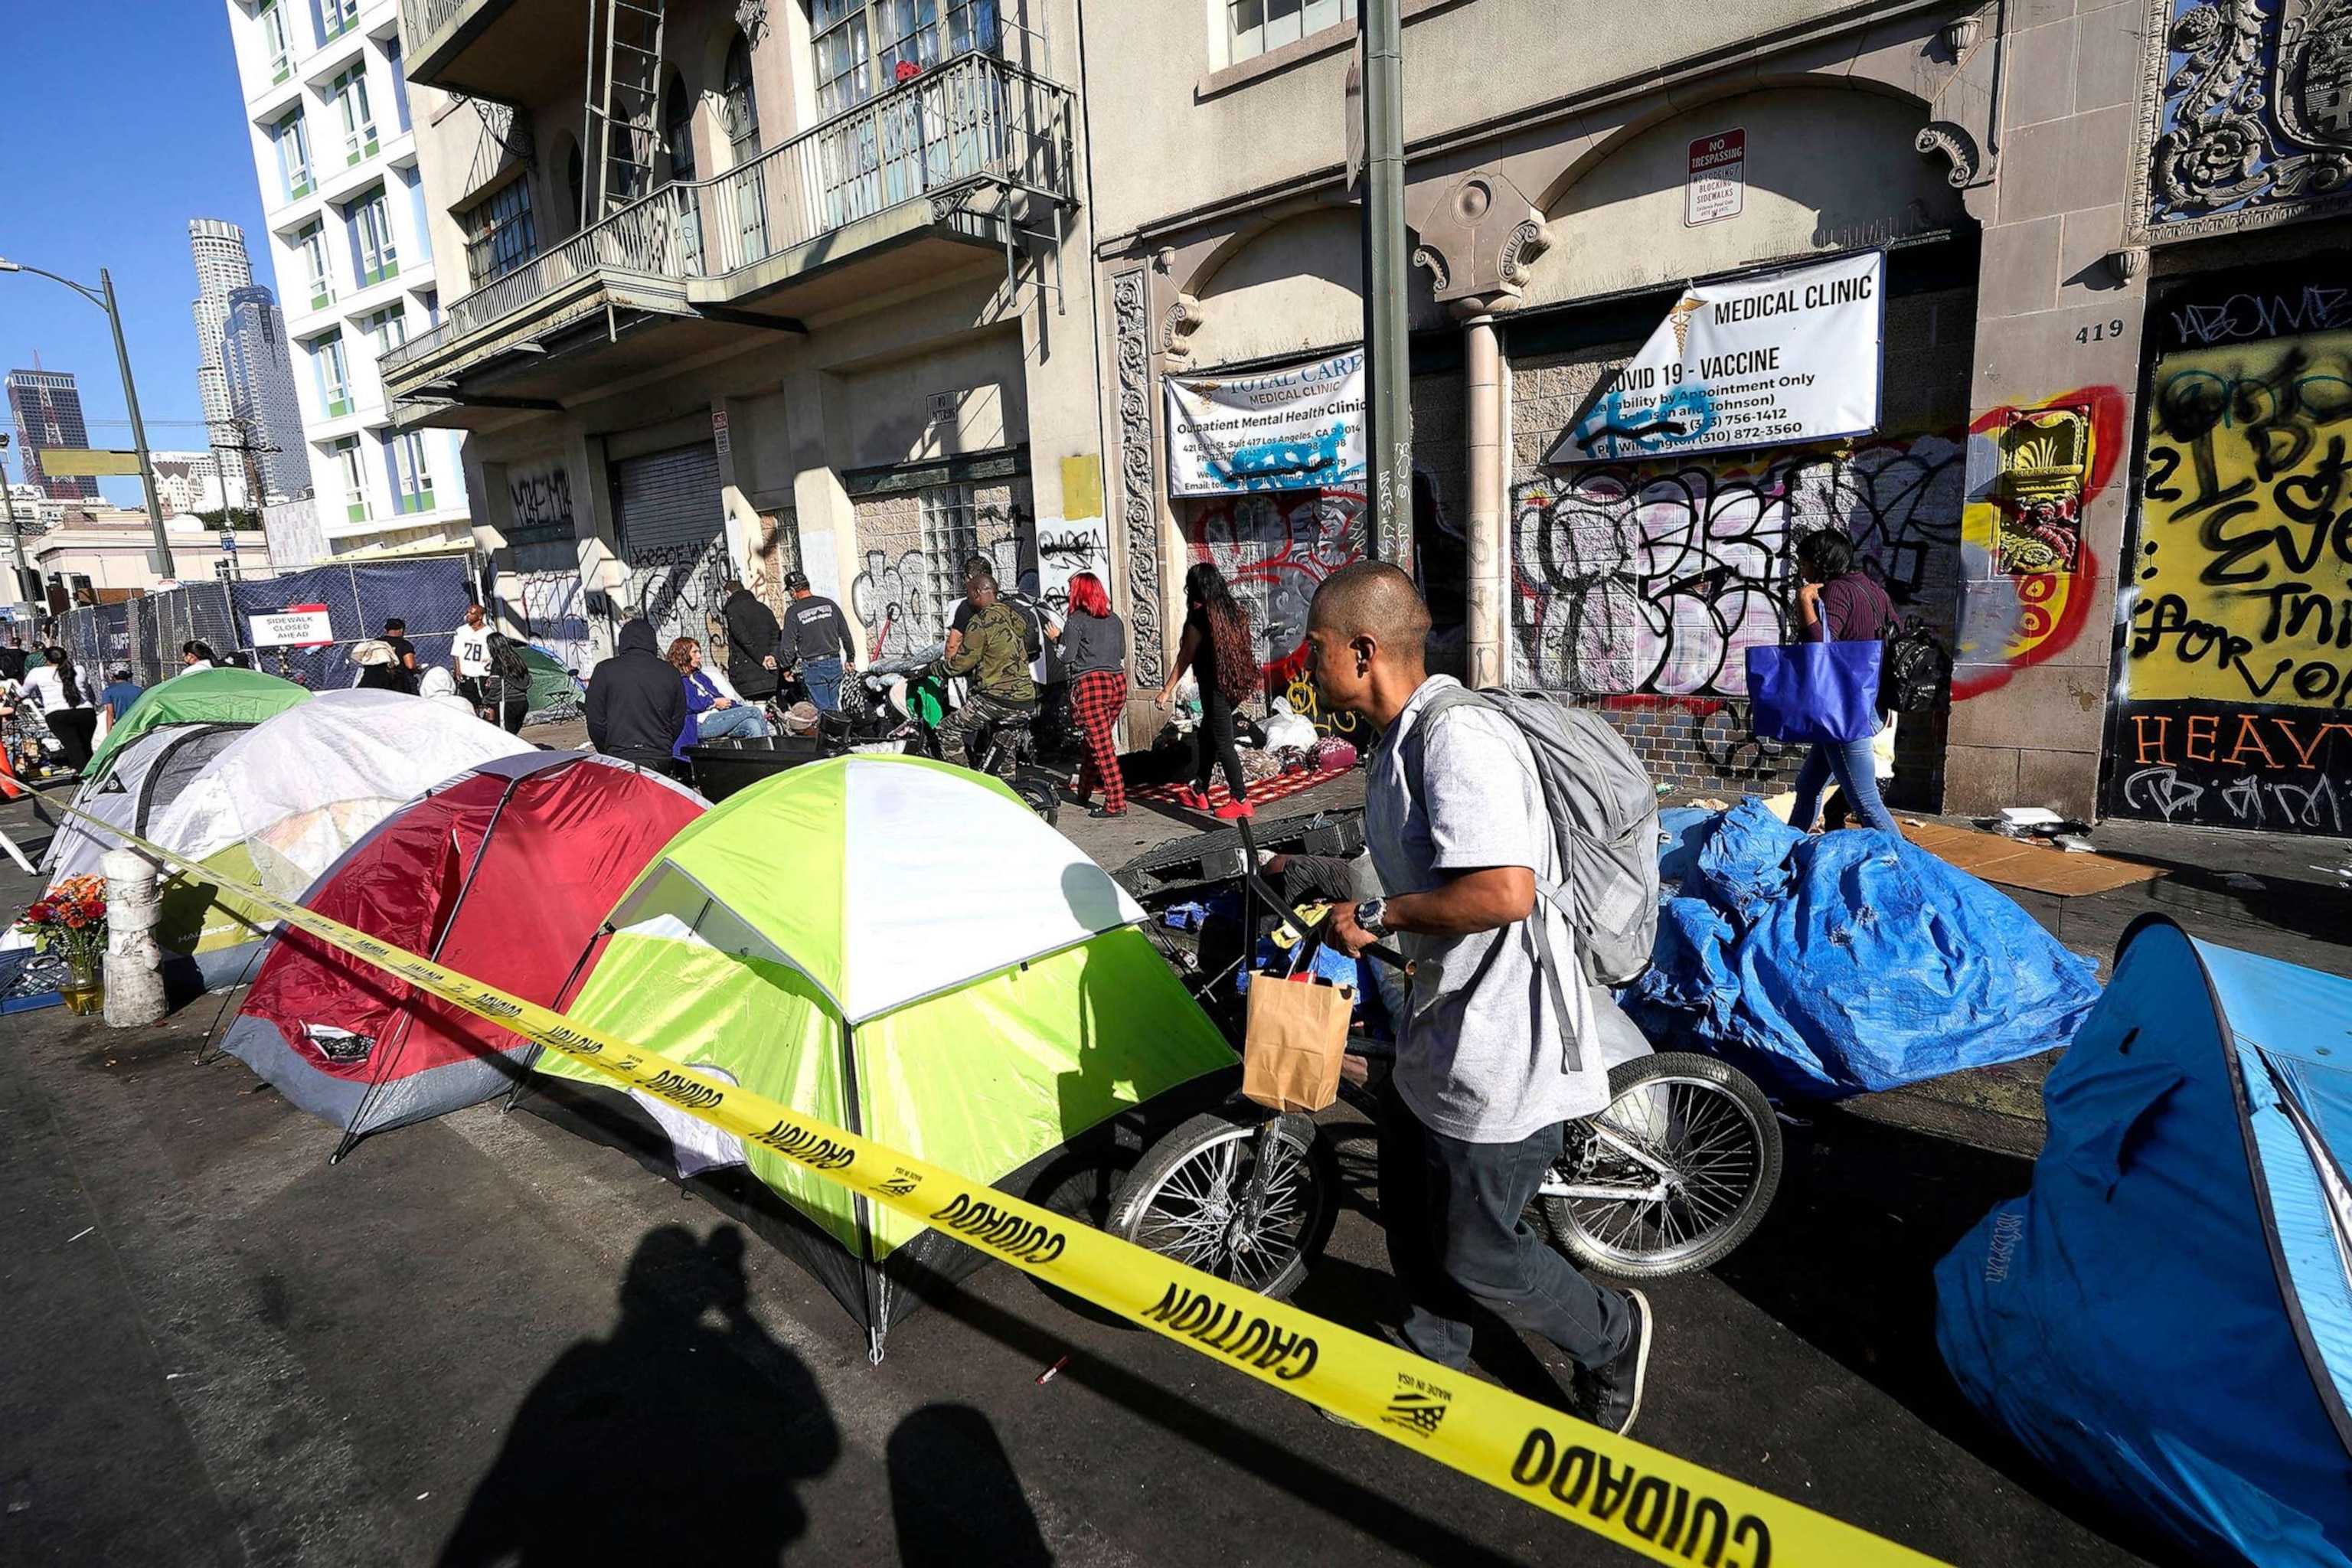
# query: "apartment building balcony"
970 159
513 52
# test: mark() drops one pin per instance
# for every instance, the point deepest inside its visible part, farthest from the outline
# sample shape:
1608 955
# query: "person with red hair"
1094 656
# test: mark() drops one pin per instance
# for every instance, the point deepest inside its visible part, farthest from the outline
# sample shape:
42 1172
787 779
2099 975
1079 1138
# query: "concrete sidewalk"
484 1337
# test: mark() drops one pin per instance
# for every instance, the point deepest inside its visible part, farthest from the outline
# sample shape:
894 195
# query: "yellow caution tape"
1636 1496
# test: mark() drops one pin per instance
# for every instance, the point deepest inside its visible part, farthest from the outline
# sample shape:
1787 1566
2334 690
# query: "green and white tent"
903 948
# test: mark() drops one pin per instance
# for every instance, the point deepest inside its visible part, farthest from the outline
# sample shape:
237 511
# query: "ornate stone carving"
2254 125
1183 319
1131 308
1954 145
1477 240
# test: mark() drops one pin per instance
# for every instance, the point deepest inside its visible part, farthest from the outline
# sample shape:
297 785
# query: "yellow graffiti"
1304 702
2244 571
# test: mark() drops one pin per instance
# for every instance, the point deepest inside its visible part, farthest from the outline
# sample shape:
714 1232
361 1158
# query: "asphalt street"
485 1338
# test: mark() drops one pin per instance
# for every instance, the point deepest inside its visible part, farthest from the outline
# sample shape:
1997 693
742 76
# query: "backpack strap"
1444 700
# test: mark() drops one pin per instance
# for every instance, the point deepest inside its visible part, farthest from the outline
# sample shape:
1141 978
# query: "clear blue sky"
127 121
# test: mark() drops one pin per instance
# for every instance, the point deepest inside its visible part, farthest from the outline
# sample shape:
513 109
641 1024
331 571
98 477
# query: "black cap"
795 580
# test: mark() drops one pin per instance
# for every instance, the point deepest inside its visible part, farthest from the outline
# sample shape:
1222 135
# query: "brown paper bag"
1297 1035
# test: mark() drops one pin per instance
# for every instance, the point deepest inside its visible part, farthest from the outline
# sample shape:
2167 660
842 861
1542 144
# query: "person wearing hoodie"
438 684
636 704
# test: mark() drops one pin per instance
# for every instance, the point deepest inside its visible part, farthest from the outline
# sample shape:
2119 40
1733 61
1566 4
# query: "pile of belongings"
1848 962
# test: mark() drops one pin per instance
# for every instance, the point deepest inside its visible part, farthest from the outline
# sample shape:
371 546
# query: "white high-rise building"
329 112
222 264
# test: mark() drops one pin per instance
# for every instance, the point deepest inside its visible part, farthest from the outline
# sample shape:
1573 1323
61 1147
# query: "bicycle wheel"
1184 1200
1672 1177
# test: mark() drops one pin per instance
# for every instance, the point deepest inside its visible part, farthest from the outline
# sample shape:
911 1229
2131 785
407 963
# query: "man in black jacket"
751 642
637 700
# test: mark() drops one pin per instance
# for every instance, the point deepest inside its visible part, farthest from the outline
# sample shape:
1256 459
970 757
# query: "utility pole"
1388 402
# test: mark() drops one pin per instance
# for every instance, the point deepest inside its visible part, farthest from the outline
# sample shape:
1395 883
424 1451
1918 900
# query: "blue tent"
2165 1319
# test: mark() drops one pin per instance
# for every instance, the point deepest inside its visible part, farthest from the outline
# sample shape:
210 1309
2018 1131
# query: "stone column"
1482 361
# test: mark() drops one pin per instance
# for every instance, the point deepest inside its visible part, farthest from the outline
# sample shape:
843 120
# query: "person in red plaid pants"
1094 656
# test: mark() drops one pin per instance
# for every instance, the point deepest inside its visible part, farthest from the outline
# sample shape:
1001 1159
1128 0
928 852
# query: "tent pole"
866 1268
352 1134
522 1080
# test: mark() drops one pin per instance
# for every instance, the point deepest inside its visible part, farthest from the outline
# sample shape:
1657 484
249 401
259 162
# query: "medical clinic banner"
1298 428
1756 362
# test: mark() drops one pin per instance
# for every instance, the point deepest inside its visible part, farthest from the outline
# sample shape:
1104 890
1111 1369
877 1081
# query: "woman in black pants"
1222 656
65 708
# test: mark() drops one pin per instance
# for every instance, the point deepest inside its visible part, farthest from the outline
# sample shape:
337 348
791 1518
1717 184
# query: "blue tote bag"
1815 691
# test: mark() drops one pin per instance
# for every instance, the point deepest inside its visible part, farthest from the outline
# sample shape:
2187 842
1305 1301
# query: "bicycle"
1669 1178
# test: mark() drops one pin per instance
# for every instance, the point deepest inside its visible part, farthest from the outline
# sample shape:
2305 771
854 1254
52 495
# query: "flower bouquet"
70 920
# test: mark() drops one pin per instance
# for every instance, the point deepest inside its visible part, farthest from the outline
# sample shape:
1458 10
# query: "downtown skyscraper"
47 407
252 415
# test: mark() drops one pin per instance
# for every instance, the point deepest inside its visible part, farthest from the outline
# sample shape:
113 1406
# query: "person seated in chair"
713 711
636 703
994 654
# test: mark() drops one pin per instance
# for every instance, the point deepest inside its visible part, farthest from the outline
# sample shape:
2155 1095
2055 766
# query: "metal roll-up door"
672 525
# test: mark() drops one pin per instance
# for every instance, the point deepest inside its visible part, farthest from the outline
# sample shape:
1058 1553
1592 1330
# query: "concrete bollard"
134 965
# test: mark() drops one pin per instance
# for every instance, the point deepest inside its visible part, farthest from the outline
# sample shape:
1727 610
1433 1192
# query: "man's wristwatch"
1370 918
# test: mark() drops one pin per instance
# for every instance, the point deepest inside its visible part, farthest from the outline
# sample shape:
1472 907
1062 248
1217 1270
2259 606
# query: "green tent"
900 948
554 689
226 695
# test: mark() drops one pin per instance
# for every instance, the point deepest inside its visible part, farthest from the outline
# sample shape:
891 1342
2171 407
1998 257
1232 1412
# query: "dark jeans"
74 728
974 725
1857 779
1213 742
1452 1211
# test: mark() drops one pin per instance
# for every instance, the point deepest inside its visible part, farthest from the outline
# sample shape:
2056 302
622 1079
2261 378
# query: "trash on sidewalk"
2022 863
1829 966
2165 1319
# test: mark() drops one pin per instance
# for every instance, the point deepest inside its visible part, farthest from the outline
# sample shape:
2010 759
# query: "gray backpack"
1604 824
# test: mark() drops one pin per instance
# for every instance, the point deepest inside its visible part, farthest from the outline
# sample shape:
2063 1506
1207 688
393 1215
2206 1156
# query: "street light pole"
103 298
19 569
165 571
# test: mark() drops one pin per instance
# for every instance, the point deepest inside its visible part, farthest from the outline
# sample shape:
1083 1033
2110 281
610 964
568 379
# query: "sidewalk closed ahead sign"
1755 361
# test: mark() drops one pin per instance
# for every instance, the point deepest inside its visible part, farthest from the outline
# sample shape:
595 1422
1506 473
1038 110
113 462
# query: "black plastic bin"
726 767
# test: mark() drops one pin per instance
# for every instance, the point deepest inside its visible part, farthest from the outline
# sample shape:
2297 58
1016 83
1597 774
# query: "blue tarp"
1848 962
2165 1319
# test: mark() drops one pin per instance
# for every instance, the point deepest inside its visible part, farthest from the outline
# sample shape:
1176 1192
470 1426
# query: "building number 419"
2100 331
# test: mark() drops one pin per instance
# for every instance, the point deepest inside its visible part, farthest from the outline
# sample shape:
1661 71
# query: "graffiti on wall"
541 498
552 610
1275 549
1657 578
1067 547
2237 656
2035 469
907 599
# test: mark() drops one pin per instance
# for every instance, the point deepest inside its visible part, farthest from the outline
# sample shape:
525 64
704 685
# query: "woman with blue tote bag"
1829 699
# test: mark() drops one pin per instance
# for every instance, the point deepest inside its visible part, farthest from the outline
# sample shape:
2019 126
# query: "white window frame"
1254 27
412 477
293 141
353 468
337 18
276 40
358 115
375 252
311 239
388 328
334 373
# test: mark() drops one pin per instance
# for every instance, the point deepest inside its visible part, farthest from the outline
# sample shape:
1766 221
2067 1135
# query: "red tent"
504 873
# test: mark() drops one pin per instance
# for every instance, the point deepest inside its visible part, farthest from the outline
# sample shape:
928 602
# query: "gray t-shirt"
1482 1057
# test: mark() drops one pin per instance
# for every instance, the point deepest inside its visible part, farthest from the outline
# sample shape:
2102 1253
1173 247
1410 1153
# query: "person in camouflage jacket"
995 655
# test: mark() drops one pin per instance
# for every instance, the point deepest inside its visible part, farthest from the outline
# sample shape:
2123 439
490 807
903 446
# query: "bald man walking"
1471 1118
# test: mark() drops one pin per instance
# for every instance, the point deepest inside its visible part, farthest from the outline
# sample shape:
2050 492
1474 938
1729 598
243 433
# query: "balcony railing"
421 20
974 121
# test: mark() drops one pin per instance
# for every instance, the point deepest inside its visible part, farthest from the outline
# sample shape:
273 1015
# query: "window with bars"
499 235
353 471
411 481
950 537
277 48
350 92
373 255
334 373
678 135
867 47
311 239
1254 27
293 141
